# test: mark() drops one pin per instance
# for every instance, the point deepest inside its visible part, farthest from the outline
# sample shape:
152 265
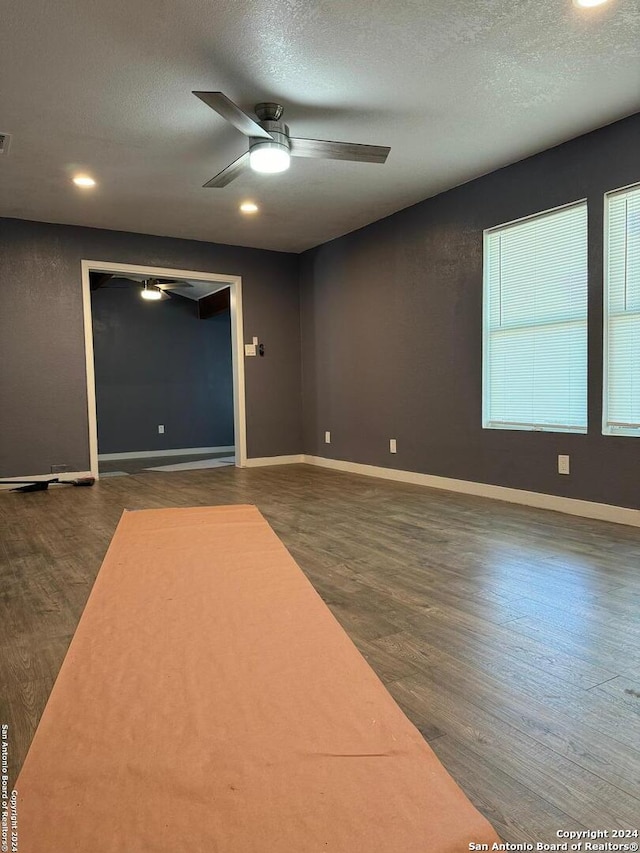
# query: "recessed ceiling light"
588 3
84 181
249 207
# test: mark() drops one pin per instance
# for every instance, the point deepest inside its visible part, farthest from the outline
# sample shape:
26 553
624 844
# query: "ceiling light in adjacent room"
249 207
586 4
84 181
151 293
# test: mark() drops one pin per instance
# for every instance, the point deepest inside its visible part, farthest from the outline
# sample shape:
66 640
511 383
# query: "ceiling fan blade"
118 282
172 285
325 150
133 277
230 173
233 114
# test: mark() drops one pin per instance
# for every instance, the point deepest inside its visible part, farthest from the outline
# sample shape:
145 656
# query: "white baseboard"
151 454
64 475
572 506
261 461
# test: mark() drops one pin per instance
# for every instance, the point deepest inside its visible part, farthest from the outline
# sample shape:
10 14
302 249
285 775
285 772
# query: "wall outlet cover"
393 448
563 464
59 469
327 437
160 429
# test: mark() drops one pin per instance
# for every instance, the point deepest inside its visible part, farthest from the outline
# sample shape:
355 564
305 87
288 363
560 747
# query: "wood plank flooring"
510 636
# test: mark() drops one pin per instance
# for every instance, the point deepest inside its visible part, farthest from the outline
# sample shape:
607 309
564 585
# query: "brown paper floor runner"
210 703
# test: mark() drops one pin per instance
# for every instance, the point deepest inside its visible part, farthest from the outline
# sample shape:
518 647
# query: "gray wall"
157 363
392 332
43 405
391 326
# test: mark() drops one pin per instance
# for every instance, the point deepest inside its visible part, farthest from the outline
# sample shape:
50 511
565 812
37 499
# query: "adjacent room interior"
336 311
163 369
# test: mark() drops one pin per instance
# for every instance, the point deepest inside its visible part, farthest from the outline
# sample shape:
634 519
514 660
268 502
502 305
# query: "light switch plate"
249 349
563 464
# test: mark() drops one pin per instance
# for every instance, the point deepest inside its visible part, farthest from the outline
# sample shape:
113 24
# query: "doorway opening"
158 404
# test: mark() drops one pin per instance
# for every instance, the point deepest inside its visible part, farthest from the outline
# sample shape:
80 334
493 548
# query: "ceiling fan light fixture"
271 146
151 294
269 157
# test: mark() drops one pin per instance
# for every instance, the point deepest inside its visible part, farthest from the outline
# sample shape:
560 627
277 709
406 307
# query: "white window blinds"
535 326
622 314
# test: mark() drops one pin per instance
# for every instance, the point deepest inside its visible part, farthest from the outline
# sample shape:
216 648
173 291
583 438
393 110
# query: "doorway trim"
234 282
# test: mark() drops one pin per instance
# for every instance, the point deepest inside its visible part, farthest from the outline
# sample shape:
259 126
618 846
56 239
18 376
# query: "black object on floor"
43 485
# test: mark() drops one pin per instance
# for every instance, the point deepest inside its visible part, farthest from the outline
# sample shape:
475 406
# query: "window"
535 323
621 410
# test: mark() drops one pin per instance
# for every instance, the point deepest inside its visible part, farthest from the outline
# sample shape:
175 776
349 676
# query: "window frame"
607 429
547 428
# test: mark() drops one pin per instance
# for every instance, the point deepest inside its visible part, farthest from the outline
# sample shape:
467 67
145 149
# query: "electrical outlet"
392 446
327 437
563 464
59 469
161 429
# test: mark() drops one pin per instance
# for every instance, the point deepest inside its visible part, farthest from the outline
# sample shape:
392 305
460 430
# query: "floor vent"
5 141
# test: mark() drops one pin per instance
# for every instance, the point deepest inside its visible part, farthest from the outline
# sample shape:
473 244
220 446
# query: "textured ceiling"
455 87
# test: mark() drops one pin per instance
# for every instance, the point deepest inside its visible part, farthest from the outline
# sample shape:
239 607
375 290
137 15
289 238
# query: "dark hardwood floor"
510 636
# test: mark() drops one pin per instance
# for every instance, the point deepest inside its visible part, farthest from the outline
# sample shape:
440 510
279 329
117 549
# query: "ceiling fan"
271 147
152 288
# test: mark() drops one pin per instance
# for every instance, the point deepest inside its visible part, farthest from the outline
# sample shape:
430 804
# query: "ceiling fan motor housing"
268 111
280 133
